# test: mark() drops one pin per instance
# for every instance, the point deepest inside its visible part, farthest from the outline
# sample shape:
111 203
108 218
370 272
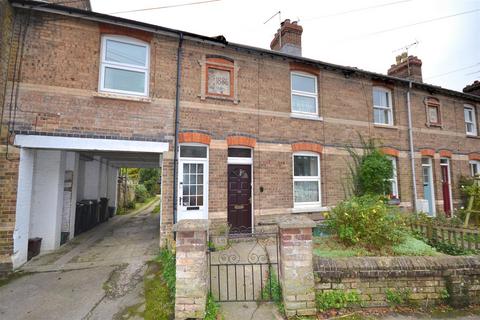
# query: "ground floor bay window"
193 182
306 180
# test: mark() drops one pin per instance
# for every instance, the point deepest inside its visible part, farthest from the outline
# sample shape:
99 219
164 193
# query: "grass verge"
159 289
138 206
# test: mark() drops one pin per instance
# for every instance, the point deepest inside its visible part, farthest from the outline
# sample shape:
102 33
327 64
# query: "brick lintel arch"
194 137
307 146
427 152
474 156
241 141
390 151
110 29
445 153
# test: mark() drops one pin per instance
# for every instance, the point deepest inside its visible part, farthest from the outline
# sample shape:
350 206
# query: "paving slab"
249 311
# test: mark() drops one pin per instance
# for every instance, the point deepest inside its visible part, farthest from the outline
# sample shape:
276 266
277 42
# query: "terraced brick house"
243 135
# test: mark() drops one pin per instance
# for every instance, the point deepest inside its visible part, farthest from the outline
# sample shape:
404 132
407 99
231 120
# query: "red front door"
447 202
239 197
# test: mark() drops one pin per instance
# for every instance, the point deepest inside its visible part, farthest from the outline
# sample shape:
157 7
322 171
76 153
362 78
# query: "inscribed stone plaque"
218 81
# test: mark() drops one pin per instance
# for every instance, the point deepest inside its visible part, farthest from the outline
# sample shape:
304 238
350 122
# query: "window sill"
122 97
306 209
306 117
472 136
385 126
220 98
434 125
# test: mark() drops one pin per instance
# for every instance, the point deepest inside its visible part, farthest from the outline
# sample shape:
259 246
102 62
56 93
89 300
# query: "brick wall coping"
373 267
292 222
192 225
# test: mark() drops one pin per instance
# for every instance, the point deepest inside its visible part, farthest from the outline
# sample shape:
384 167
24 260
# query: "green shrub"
337 299
398 297
150 177
366 220
141 193
370 171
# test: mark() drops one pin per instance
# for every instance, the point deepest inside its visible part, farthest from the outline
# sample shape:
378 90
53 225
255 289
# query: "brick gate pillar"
296 265
191 269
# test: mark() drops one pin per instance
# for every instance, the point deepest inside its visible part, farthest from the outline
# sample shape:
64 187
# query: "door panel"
239 197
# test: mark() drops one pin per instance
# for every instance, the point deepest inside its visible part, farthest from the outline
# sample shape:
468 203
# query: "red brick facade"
59 95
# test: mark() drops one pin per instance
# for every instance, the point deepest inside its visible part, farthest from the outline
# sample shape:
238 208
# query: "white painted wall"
80 179
91 186
47 198
73 163
112 186
103 179
24 197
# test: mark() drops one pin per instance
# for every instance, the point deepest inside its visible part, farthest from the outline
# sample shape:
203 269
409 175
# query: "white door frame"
432 186
181 210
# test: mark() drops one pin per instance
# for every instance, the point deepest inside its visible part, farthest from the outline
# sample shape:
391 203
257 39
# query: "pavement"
249 311
98 275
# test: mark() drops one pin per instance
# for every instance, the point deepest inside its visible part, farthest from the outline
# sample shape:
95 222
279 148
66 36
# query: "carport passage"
57 172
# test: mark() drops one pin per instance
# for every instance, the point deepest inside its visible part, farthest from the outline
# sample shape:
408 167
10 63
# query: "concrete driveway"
96 276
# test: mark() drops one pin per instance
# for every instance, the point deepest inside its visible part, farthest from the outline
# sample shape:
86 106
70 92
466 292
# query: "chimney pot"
288 38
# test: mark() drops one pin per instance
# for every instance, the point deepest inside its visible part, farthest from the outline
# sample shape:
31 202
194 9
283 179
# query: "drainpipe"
177 125
412 150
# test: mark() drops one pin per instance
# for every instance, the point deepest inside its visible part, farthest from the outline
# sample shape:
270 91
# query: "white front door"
192 188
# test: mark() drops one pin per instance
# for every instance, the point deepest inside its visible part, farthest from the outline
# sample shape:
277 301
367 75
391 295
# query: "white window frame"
307 178
394 179
124 66
303 93
471 163
389 108
473 122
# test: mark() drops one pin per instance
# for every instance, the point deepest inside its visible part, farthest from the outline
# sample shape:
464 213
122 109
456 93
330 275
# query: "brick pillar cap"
295 222
191 225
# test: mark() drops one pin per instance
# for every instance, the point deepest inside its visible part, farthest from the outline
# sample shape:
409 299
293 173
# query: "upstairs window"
382 106
433 112
470 120
306 179
304 93
474 168
124 66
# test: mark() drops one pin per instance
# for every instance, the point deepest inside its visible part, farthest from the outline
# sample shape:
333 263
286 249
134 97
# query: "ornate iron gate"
247 269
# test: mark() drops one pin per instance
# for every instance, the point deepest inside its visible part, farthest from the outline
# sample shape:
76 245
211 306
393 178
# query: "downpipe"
411 145
177 125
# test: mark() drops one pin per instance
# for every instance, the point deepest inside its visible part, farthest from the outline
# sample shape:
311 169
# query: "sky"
366 34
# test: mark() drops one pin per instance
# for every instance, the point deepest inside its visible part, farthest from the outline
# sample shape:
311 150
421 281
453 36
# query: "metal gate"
247 269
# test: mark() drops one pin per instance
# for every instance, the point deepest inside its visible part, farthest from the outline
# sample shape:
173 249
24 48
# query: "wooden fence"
467 238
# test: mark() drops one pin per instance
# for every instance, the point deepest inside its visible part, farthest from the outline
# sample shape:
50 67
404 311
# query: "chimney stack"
473 88
288 38
407 67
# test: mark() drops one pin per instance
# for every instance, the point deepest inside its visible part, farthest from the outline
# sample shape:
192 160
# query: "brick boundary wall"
425 277
191 269
296 267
